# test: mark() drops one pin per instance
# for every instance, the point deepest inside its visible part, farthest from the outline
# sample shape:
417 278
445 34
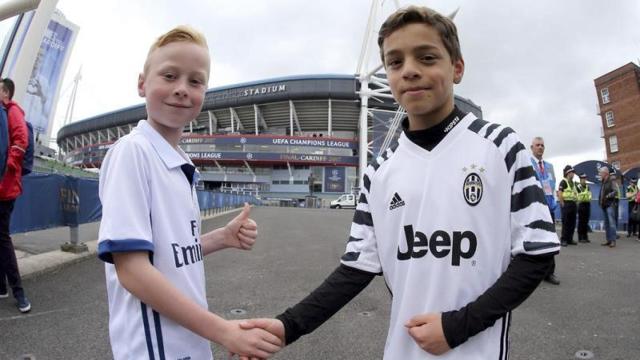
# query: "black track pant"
633 226
568 221
584 211
8 263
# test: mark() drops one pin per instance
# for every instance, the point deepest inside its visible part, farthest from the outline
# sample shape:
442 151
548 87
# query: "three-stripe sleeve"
532 231
362 250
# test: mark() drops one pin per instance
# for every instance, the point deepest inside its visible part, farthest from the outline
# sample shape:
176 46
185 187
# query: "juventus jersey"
442 226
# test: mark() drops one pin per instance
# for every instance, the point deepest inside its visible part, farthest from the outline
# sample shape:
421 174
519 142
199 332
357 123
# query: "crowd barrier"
53 200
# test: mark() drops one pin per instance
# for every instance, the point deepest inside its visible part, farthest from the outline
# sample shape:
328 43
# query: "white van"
344 201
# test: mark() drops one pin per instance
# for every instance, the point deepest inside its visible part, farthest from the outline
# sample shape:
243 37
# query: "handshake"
254 339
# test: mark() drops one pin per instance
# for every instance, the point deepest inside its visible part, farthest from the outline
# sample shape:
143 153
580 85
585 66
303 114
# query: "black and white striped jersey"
442 226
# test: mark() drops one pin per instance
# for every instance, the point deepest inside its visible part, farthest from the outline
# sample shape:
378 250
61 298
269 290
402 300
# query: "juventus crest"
472 189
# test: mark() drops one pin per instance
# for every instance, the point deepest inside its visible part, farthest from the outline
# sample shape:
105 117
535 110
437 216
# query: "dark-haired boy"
457 255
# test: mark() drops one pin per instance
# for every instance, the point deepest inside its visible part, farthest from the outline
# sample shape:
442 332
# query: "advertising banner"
271 140
260 156
334 179
39 100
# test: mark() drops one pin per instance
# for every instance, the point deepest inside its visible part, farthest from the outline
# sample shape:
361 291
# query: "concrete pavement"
594 313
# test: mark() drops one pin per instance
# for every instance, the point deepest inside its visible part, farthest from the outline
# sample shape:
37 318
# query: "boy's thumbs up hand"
244 214
241 232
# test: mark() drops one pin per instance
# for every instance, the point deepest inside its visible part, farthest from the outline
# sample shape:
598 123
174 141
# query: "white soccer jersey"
442 226
148 204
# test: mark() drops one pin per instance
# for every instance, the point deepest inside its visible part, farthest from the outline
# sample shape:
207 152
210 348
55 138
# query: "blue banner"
334 179
52 200
38 102
592 168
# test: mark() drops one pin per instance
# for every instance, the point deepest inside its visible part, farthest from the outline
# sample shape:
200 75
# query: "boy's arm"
524 274
145 282
360 264
240 233
335 292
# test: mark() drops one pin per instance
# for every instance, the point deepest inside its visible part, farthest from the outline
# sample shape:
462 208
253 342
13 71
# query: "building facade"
619 101
270 137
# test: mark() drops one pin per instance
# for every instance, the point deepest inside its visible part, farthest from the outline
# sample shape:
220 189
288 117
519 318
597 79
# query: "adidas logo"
396 202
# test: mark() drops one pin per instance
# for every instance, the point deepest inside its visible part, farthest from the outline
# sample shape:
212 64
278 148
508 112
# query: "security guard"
632 193
584 208
567 196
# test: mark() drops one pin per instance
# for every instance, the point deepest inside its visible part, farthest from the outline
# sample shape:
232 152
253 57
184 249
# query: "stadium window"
604 93
298 182
613 143
609 116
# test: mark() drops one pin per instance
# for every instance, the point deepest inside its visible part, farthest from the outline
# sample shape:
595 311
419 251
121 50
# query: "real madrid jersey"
150 204
443 225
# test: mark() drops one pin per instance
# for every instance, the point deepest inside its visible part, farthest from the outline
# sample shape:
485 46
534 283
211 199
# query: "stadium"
266 138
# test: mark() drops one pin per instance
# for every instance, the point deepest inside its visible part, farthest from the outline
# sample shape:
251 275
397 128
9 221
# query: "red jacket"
11 184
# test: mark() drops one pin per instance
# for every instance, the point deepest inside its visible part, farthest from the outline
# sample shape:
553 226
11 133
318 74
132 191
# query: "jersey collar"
443 144
171 157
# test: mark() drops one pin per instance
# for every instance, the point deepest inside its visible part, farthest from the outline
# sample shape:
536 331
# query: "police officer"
584 208
632 193
567 196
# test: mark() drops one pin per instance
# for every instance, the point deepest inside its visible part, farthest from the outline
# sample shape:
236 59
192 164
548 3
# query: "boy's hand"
252 343
241 232
426 331
274 326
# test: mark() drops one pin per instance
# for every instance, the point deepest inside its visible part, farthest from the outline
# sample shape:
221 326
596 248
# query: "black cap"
568 169
583 176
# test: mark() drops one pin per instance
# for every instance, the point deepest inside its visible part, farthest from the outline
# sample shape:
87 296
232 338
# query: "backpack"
27 160
4 140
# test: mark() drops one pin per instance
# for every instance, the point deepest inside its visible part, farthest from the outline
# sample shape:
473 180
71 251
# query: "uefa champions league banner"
334 179
39 100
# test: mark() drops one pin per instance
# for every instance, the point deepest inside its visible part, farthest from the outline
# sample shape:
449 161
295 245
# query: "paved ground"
596 308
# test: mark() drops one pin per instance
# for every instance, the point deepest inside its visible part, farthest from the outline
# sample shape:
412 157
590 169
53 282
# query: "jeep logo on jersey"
472 189
440 244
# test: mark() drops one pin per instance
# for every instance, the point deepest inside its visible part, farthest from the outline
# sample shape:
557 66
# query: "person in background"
547 178
606 200
567 196
10 189
632 193
584 209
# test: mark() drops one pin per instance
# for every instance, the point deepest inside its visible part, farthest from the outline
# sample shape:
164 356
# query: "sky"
529 65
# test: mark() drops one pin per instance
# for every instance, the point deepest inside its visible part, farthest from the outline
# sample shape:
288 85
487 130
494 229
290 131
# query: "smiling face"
174 85
421 73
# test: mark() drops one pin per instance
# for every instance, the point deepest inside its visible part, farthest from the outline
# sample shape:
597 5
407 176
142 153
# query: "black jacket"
607 193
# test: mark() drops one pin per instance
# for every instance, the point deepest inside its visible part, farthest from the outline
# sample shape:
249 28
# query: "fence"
53 200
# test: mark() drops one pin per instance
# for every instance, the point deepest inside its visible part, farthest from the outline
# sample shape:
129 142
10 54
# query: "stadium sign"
261 90
271 140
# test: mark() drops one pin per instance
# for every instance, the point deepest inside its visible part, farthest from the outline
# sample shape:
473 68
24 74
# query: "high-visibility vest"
569 193
632 192
584 194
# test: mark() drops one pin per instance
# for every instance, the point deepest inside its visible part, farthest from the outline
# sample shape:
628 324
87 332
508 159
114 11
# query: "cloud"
530 65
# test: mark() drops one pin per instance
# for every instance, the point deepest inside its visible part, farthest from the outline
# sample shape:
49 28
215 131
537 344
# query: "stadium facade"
263 137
